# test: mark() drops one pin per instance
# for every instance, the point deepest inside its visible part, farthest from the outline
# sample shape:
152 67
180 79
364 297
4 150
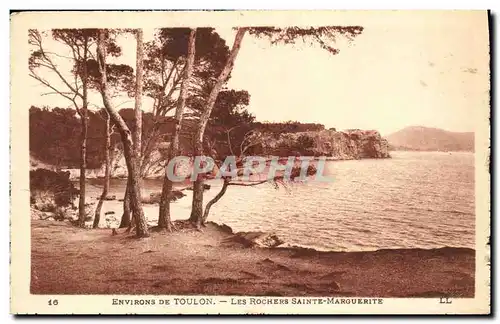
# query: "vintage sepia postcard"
250 162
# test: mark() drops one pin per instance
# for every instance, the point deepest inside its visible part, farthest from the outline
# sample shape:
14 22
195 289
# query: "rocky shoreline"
255 239
259 239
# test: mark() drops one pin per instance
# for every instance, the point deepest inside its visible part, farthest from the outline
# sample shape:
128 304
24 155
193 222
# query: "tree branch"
229 139
36 40
47 84
248 184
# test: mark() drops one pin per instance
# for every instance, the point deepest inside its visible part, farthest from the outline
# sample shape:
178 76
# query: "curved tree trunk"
107 175
132 219
126 136
164 213
197 205
214 200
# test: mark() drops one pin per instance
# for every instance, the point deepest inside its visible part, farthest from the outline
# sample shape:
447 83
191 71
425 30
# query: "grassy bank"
69 260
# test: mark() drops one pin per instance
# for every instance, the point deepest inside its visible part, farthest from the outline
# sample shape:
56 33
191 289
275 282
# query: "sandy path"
68 260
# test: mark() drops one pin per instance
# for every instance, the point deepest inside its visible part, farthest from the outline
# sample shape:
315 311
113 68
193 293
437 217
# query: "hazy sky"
407 68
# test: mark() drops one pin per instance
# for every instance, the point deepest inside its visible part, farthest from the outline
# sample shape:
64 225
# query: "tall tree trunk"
83 167
83 140
107 174
137 135
126 219
137 130
126 136
166 193
197 205
215 199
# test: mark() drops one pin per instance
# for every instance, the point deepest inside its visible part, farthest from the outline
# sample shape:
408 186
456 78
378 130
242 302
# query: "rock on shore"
249 239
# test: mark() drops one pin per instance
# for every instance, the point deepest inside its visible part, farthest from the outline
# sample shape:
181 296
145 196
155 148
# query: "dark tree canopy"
323 36
120 76
164 63
209 45
288 127
76 39
55 136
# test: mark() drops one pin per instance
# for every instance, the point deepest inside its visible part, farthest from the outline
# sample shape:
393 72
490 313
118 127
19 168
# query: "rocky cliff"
338 145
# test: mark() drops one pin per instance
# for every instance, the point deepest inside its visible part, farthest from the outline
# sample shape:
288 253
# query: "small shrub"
49 189
43 200
305 142
60 214
303 145
283 149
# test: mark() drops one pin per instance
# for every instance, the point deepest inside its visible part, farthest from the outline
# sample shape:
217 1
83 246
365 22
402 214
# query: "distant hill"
419 138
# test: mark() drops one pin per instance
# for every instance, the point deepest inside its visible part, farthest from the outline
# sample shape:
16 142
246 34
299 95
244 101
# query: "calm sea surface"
415 199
